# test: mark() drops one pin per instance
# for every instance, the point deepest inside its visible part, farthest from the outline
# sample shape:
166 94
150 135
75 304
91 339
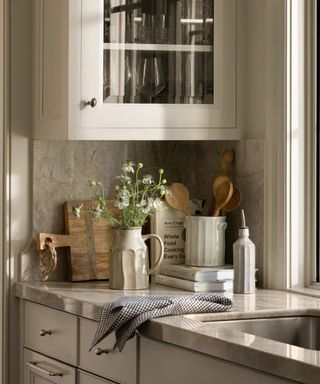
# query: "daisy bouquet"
137 195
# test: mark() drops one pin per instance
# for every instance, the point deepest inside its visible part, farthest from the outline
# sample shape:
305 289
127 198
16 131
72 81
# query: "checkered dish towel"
125 315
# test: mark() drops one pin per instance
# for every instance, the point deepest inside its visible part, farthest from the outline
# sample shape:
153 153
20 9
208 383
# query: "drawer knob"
93 102
44 332
100 351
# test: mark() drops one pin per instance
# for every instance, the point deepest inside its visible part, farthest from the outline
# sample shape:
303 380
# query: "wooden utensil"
234 202
222 191
226 158
179 197
89 242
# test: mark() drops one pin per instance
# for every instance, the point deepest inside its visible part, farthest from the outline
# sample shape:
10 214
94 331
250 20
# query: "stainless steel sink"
302 331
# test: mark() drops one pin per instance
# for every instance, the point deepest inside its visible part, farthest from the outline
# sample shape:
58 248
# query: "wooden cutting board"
89 242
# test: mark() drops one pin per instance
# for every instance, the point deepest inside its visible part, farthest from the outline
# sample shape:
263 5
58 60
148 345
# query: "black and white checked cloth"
125 315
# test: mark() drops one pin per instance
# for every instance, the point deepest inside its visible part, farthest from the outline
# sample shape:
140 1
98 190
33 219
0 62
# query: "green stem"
137 184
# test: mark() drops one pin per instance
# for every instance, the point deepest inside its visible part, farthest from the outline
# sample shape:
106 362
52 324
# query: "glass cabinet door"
158 51
166 68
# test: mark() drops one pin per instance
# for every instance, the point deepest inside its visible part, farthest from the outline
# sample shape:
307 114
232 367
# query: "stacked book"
196 279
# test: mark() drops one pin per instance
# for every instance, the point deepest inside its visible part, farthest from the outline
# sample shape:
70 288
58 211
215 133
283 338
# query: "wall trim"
310 167
302 226
275 264
5 267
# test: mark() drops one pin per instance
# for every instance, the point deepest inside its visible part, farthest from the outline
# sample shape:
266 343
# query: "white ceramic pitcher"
129 261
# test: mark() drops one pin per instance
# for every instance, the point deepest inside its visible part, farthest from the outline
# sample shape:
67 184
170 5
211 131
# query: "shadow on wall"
61 170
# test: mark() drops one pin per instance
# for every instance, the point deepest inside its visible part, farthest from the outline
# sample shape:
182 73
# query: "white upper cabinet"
139 69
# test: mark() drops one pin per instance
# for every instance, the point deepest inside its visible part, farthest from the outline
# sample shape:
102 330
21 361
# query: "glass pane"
158 51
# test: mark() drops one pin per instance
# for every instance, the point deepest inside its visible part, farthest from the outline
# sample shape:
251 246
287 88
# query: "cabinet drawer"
118 366
86 378
41 369
51 332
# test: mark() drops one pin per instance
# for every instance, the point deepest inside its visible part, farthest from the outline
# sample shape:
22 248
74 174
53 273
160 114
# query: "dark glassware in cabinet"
159 51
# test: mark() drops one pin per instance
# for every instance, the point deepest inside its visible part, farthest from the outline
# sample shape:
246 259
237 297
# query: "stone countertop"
193 332
83 299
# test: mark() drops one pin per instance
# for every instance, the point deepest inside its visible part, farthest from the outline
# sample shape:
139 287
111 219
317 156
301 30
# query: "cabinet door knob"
44 332
93 102
100 351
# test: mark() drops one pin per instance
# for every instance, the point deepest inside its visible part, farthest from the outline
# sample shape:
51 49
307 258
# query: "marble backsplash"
61 170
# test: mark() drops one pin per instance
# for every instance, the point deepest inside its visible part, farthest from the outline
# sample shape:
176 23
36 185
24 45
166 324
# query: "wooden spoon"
226 158
222 191
234 202
179 197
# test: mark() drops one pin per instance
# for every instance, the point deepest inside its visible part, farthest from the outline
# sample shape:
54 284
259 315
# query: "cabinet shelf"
157 47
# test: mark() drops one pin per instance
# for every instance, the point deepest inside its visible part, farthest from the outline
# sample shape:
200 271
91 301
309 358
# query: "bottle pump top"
243 230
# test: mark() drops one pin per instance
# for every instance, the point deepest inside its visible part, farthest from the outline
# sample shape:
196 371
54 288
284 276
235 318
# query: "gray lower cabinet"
116 366
56 350
162 363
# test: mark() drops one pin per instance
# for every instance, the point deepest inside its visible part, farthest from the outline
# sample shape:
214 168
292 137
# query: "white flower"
124 179
128 167
77 211
157 203
163 188
146 209
123 198
147 179
151 205
142 203
123 193
121 203
96 211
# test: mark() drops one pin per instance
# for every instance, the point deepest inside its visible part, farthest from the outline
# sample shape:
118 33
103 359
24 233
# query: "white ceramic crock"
205 240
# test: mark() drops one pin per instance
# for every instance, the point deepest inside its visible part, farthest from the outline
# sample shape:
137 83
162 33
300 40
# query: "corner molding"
5 262
275 263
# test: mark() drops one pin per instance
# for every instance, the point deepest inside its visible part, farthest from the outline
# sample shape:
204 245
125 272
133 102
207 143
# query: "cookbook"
168 223
224 272
195 286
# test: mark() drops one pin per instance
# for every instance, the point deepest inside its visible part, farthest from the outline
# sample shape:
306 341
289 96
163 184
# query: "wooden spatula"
226 158
222 190
234 202
178 197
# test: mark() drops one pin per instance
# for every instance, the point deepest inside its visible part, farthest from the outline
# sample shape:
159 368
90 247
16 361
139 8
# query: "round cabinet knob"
93 102
100 351
44 332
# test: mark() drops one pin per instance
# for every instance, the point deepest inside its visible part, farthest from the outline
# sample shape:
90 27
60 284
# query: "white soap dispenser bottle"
244 260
